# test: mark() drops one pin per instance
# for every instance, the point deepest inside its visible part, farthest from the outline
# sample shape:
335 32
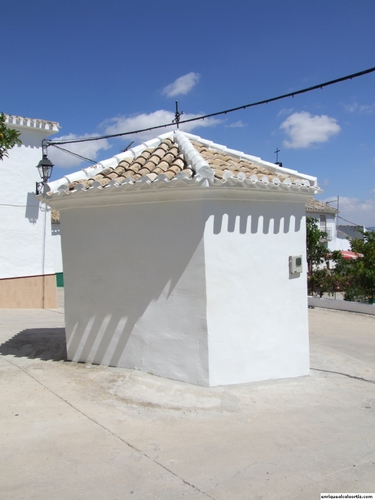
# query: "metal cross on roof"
277 154
177 116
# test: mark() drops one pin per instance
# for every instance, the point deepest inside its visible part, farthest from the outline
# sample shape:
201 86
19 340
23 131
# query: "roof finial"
277 154
177 116
277 162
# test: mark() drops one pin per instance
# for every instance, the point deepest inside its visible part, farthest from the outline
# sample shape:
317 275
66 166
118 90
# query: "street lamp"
44 167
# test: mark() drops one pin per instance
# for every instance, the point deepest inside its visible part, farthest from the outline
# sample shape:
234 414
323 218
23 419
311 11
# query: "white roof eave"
114 193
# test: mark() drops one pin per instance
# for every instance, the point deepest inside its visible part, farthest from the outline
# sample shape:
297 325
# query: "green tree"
320 278
357 276
316 250
320 281
346 277
8 138
364 265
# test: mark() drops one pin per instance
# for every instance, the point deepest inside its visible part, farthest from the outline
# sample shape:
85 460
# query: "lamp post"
44 167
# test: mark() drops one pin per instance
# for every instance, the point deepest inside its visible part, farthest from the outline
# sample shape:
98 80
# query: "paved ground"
75 431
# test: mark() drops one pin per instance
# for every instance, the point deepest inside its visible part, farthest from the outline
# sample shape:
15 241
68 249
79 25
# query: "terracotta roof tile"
162 166
119 170
151 164
139 162
170 174
152 176
104 181
129 174
175 168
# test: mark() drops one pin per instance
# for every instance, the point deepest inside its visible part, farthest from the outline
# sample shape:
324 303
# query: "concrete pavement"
76 431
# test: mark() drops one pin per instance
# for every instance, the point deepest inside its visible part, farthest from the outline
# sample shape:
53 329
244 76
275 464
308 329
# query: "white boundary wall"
342 305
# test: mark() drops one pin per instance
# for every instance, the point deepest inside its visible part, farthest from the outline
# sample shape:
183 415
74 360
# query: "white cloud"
238 124
138 122
285 111
351 108
304 130
361 212
88 149
360 108
182 85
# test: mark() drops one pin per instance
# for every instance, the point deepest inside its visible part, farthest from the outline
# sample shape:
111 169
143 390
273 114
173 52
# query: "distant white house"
29 253
338 235
350 232
186 259
326 217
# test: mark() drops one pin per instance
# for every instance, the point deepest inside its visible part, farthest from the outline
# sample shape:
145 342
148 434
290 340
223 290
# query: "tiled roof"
164 159
317 207
222 162
183 157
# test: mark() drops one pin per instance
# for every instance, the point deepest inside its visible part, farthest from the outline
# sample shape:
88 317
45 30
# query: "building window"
323 223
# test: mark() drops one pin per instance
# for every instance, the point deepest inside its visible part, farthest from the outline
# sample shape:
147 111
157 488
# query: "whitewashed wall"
55 248
25 228
341 242
135 288
256 311
197 291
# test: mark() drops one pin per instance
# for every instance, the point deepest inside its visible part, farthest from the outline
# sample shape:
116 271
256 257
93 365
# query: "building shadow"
32 208
46 344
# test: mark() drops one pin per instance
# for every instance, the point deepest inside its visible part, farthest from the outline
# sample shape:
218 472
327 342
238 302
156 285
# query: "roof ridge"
193 158
137 150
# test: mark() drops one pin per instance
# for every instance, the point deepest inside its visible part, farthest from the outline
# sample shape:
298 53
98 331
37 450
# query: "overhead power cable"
218 113
84 157
353 223
74 154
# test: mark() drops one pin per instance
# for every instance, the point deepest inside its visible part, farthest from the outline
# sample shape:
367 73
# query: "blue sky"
104 67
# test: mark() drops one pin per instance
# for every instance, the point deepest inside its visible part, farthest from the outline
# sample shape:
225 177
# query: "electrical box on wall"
295 264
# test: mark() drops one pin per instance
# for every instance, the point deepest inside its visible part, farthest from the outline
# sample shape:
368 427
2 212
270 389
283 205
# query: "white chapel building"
186 259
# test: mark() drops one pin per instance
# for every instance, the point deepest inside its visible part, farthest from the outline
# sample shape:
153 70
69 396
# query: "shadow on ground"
47 344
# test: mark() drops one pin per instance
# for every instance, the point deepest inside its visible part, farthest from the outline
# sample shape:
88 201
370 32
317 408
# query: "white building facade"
27 247
177 262
326 218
